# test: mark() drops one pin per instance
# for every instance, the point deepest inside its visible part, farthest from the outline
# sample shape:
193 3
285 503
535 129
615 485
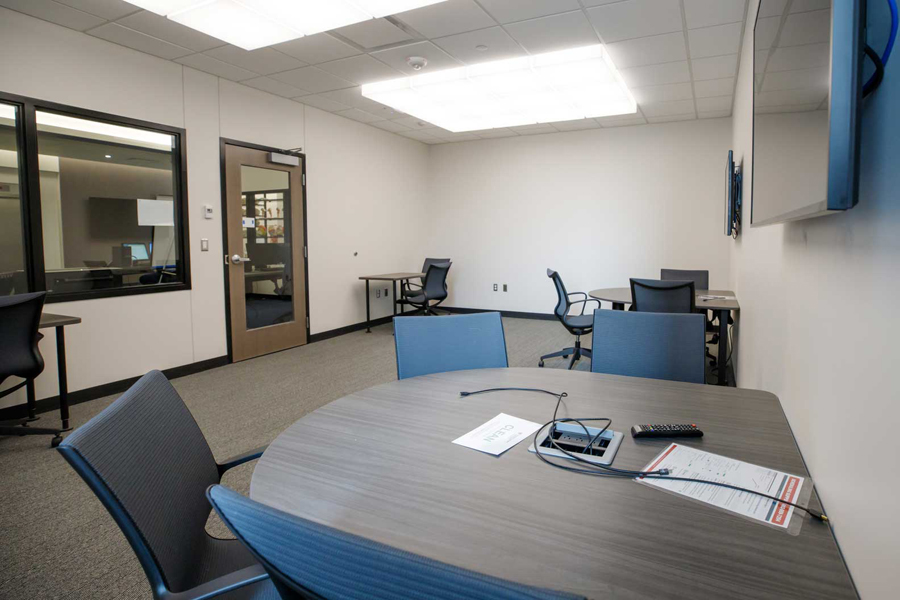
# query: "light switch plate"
204 245
207 211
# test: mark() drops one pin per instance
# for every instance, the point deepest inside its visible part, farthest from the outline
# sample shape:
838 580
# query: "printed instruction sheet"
498 435
682 461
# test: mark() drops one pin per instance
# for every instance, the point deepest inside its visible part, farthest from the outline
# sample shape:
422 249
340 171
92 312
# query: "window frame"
30 195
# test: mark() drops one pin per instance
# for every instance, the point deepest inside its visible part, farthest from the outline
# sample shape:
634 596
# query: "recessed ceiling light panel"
252 24
580 83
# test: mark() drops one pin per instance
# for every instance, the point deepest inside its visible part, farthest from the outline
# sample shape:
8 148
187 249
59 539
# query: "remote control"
665 430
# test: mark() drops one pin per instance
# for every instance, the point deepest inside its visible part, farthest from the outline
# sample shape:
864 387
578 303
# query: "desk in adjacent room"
380 463
393 278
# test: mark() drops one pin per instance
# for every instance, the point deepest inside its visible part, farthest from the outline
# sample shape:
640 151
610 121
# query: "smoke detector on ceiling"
417 62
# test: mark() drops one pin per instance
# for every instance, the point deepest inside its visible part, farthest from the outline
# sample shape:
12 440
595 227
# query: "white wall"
372 208
819 328
599 206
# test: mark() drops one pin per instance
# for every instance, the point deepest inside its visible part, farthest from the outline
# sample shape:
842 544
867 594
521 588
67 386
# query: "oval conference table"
379 463
722 308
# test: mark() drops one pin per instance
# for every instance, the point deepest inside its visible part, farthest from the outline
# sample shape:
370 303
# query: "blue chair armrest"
241 459
222 585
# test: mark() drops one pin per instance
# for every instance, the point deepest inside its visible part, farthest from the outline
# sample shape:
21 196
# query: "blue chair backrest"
428 345
653 345
655 295
306 558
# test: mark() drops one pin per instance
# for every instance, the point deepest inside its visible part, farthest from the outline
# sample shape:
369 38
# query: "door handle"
238 259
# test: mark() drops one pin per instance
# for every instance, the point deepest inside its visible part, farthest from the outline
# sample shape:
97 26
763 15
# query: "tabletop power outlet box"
572 438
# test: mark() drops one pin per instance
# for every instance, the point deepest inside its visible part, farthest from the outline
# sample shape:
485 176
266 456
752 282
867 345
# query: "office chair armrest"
584 302
222 585
240 459
577 294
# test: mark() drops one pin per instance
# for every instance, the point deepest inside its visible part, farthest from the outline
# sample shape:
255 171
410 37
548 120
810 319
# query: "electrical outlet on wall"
495 287
378 293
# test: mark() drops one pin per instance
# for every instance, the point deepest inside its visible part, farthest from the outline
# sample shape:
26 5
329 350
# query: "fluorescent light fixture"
252 24
580 83
53 121
7 112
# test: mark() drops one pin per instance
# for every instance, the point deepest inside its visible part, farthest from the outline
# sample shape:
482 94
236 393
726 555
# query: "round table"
379 463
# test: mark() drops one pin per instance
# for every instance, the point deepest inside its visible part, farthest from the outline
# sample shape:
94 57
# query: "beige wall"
819 328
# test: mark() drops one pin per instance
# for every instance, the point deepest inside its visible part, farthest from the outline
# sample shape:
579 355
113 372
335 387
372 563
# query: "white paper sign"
248 222
156 212
498 435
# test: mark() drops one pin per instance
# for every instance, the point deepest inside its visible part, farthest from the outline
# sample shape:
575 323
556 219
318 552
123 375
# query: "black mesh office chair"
434 291
654 295
578 325
409 288
701 282
148 463
20 357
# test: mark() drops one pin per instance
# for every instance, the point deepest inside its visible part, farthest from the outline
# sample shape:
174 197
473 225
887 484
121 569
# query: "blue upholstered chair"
653 345
148 463
451 343
310 560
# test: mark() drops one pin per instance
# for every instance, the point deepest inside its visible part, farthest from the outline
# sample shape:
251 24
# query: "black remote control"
665 430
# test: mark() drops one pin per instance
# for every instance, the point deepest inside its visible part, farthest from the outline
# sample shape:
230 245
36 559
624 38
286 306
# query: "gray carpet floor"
57 541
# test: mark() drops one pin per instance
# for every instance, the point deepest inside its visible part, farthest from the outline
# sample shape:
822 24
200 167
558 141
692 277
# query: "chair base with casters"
576 352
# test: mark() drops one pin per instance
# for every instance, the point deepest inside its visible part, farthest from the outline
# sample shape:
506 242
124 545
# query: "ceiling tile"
497 45
460 137
605 123
170 31
665 109
714 87
414 123
766 30
715 41
671 118
318 48
717 103
374 33
447 18
359 115
360 69
418 135
556 32
396 57
787 97
714 114
352 98
323 103
113 32
771 8
391 126
806 28
804 5
798 57
55 13
209 64
636 18
715 67
760 60
576 125
537 129
313 79
674 72
510 11
796 80
663 93
501 132
267 84
108 9
264 61
788 109
705 13
648 50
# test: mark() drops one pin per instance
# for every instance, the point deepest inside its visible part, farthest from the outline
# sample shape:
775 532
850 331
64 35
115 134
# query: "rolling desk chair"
652 345
309 560
452 343
434 290
578 325
20 356
148 463
701 282
654 295
413 289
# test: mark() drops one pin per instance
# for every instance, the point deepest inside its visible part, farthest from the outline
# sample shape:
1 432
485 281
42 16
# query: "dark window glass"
13 279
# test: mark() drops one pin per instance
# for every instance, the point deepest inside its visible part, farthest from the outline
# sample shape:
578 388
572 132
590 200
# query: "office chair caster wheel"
56 441
541 364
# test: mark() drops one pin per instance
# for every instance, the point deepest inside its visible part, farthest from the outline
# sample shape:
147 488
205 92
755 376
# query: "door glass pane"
268 274
12 250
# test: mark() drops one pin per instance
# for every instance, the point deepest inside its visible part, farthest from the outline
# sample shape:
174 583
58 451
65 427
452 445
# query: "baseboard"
19 411
513 314
333 333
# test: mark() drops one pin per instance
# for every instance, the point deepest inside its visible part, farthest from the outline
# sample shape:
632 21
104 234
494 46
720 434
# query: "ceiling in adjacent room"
678 57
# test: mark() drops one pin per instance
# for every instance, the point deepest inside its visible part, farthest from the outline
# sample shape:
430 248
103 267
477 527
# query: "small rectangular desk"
393 278
58 322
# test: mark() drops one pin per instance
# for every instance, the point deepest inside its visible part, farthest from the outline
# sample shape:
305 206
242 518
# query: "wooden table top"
52 320
380 463
623 296
392 276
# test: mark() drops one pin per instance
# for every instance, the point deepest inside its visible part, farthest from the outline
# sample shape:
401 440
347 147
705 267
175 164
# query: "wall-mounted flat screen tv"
807 94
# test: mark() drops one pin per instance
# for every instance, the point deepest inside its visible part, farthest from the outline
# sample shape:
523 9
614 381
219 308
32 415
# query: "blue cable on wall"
880 62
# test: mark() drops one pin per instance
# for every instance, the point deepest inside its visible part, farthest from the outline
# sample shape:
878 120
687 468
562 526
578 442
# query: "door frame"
223 207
